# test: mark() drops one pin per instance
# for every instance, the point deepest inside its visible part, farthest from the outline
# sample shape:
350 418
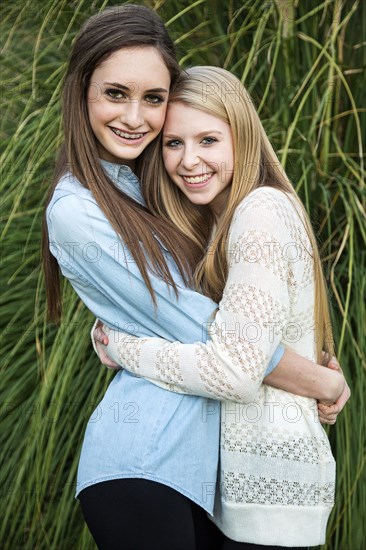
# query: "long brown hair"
103 34
219 93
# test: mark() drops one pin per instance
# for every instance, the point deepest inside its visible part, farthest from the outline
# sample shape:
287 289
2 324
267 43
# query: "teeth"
197 179
127 136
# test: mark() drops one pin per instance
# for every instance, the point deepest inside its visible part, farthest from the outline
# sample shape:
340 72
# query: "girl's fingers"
333 364
104 358
328 418
342 400
100 336
325 420
328 413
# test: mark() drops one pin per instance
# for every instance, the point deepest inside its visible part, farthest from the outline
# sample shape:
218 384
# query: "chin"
201 202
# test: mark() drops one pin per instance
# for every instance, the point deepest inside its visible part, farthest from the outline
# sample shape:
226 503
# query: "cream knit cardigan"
277 473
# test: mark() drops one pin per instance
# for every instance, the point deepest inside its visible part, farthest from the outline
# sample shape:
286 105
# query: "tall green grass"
304 64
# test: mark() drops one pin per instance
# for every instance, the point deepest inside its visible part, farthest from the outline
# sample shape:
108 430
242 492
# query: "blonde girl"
260 262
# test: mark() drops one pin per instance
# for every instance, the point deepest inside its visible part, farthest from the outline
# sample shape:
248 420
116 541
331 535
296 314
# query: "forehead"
184 119
142 65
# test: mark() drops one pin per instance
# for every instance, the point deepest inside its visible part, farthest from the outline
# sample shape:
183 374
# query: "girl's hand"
328 413
101 340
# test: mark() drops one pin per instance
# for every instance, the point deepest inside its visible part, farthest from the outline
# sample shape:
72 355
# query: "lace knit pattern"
255 489
213 375
273 443
129 354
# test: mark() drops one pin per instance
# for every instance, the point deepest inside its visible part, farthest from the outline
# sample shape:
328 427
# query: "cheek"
168 158
101 112
91 111
96 112
157 117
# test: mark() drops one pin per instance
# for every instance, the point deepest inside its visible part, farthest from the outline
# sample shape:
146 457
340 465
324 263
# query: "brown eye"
115 95
154 99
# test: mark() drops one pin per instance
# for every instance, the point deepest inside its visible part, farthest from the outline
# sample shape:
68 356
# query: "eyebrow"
205 133
122 87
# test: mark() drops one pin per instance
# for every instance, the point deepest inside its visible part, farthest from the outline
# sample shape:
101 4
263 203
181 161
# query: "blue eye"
173 143
208 140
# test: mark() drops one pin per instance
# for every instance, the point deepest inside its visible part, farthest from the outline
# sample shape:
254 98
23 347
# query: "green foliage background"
304 63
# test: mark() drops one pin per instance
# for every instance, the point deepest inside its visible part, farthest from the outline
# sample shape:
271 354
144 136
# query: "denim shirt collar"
124 179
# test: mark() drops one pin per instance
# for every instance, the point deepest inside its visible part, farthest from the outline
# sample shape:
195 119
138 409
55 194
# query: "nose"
132 114
190 158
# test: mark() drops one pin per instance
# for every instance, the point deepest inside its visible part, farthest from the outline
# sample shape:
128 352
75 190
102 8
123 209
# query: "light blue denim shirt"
138 430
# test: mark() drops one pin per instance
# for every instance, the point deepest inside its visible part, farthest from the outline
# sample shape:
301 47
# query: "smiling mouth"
127 135
202 178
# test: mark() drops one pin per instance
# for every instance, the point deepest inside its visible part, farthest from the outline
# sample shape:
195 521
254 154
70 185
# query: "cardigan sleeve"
249 323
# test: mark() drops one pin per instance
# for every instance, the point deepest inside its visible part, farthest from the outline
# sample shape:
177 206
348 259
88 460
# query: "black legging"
232 545
138 514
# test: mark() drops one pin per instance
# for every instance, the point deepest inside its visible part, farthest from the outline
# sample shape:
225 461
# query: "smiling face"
127 101
198 155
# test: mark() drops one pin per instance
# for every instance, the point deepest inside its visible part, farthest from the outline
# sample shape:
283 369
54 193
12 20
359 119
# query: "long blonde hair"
219 93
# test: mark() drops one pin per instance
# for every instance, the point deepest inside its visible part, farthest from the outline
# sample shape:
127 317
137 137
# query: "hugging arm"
102 272
293 373
232 364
